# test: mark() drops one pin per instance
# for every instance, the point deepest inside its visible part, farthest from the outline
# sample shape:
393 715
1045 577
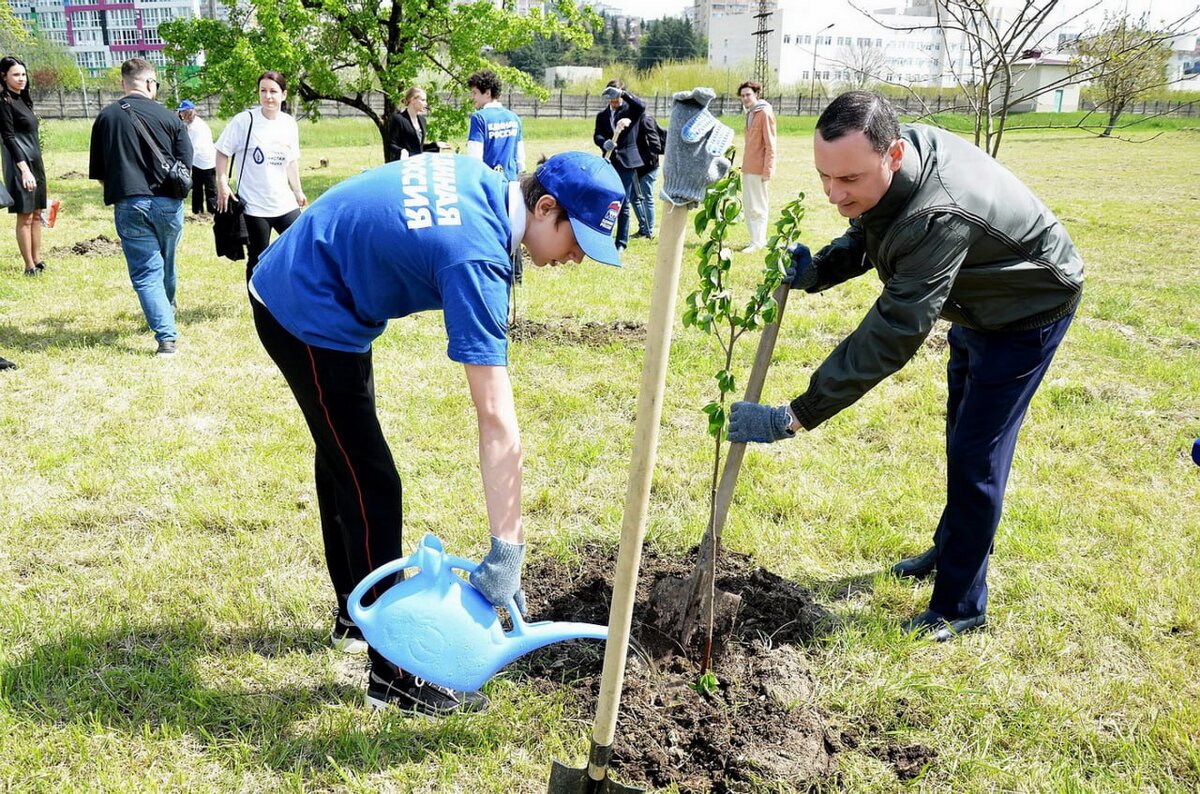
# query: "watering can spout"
436 625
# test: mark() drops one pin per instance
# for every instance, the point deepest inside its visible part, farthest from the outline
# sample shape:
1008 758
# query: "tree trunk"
1113 115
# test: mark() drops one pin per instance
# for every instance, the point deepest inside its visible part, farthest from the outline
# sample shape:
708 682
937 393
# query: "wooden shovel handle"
641 467
754 386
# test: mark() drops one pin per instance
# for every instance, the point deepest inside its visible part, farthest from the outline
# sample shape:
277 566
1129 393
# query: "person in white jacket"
204 159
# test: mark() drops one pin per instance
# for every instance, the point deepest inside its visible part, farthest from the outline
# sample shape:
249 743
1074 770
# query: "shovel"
594 778
436 625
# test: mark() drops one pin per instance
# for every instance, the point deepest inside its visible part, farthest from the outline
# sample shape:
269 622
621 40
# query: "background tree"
668 39
867 66
1125 60
341 50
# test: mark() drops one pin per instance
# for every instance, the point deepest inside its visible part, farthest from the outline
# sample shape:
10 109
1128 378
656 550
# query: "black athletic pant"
204 190
358 488
259 230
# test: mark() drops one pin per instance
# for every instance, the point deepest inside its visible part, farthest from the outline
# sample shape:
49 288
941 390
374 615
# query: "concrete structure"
708 15
105 33
556 76
1032 78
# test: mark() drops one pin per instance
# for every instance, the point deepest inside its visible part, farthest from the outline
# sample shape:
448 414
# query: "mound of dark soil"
101 245
72 175
761 724
201 217
591 334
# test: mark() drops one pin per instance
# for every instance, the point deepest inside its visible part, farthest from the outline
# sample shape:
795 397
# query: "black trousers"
259 230
204 190
359 493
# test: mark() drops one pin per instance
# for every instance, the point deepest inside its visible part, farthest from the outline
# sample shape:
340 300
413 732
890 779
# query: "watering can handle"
394 567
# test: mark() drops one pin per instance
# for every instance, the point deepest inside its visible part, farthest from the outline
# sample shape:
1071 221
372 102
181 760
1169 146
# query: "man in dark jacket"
651 142
954 234
616 135
149 221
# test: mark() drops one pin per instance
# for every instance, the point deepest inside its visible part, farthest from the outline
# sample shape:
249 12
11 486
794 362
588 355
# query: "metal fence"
74 105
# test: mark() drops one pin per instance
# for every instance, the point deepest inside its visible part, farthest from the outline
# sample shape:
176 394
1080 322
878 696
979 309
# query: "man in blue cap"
435 232
204 159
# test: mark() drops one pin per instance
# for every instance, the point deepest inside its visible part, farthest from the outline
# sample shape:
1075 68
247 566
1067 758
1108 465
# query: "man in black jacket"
149 221
651 142
616 135
951 233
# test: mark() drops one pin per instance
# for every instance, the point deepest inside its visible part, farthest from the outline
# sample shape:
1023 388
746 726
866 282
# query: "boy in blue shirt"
434 232
495 133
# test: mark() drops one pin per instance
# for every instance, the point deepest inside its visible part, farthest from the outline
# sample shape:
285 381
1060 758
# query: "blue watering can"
436 625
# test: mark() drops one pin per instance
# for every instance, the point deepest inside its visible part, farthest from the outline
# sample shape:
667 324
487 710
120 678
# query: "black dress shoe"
931 625
920 567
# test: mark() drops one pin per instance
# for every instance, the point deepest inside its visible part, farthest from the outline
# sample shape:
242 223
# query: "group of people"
950 233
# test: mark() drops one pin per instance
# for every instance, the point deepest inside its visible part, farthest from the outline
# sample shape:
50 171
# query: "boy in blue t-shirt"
433 232
495 134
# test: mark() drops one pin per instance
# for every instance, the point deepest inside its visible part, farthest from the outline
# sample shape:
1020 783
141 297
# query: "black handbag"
229 227
174 176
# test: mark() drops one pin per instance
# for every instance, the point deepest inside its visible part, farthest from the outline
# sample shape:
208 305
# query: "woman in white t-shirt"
265 145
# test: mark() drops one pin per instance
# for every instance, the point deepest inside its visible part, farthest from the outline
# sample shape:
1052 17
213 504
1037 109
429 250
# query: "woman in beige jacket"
758 163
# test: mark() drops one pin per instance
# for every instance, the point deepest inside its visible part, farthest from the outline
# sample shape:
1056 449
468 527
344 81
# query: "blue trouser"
992 377
628 177
150 228
645 189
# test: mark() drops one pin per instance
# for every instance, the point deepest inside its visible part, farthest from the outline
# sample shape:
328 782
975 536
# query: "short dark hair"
134 68
532 190
616 83
863 111
753 85
487 82
274 77
6 64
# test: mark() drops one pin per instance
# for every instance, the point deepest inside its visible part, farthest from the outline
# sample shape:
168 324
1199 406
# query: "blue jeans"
150 228
628 177
992 377
645 188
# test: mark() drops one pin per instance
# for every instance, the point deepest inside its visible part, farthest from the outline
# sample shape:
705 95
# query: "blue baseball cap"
186 104
589 189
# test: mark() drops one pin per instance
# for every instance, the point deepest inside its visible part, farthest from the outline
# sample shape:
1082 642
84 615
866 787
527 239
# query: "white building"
105 33
1183 70
832 43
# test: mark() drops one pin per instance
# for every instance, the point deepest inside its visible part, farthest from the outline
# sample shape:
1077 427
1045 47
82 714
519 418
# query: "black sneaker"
345 636
411 693
166 347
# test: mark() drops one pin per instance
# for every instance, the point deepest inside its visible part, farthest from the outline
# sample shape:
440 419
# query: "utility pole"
762 64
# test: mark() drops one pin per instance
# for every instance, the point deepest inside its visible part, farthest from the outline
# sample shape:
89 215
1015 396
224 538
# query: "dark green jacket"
955 236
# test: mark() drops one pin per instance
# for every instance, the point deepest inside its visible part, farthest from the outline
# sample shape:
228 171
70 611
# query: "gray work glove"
801 273
611 93
695 148
498 576
760 424
609 146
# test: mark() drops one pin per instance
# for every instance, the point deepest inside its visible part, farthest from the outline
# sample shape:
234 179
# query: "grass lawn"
164 600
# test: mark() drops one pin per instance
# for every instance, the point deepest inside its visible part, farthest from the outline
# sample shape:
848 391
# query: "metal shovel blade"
569 780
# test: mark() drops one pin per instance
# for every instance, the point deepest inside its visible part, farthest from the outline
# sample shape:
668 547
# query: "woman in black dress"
24 173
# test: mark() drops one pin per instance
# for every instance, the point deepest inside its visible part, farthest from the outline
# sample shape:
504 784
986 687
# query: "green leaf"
701 221
725 381
716 422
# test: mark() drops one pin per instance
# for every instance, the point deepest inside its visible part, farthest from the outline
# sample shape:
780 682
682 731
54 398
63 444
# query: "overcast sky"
1159 9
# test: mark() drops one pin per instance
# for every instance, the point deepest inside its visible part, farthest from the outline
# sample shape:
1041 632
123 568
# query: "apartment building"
105 33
